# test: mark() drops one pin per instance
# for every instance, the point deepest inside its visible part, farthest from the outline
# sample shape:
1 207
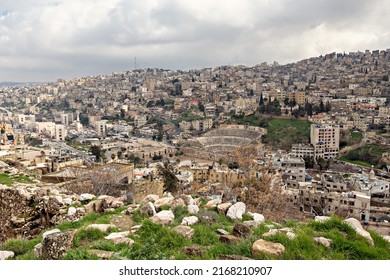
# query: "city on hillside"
297 141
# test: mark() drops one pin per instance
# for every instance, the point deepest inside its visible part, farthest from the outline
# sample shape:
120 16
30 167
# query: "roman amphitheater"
218 142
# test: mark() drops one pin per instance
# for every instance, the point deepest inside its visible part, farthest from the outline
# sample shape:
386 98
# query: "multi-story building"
325 140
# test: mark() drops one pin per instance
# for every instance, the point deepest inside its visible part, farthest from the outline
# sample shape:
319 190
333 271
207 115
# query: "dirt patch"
122 221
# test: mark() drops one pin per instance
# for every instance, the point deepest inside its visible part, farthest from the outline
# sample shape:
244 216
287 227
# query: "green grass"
366 156
282 133
23 249
9 180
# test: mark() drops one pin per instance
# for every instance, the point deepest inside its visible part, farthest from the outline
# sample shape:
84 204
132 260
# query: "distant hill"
19 84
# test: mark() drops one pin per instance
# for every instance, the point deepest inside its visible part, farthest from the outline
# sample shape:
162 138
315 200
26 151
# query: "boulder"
185 231
164 201
291 235
242 231
251 224
193 251
188 200
67 201
86 197
115 235
235 211
211 204
324 241
271 232
193 209
321 219
135 228
46 233
55 246
38 250
223 207
222 232
6 254
228 238
117 203
105 255
285 230
101 227
356 225
262 246
124 240
191 220
164 217
150 198
259 218
177 202
148 210
71 211
386 237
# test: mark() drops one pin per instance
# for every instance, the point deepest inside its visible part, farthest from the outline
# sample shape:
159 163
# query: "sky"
43 40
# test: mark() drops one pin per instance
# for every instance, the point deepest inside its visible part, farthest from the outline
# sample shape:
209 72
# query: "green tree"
166 170
96 151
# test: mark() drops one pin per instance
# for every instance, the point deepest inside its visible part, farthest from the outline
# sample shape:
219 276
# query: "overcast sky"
43 40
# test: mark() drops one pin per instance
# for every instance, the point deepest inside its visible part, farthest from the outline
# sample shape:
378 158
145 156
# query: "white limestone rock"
6 254
356 225
164 217
236 211
257 217
101 227
191 220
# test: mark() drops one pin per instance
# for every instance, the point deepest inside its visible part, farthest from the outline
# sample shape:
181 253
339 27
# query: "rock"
271 232
223 207
67 201
115 235
86 197
193 209
324 241
321 219
177 202
150 198
185 231
46 233
135 228
124 240
262 246
285 230
386 237
356 225
90 207
259 218
235 211
71 211
188 200
106 210
164 217
228 238
59 199
270 226
187 221
251 224
38 250
101 227
233 258
165 201
193 251
222 232
242 231
148 210
105 255
6 254
55 246
291 235
211 204
117 203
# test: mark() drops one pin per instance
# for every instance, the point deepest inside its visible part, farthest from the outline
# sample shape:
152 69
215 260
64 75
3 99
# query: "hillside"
185 228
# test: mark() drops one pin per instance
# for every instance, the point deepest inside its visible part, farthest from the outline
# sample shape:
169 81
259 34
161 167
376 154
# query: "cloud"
44 39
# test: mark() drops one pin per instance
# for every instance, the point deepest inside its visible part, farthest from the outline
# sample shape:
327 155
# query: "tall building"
325 140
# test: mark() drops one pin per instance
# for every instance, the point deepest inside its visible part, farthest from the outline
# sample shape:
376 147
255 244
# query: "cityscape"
302 141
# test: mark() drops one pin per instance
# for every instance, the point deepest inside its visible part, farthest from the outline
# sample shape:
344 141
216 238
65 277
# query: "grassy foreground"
157 242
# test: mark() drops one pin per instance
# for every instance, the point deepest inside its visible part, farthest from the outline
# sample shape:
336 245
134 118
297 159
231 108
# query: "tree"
96 151
166 170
